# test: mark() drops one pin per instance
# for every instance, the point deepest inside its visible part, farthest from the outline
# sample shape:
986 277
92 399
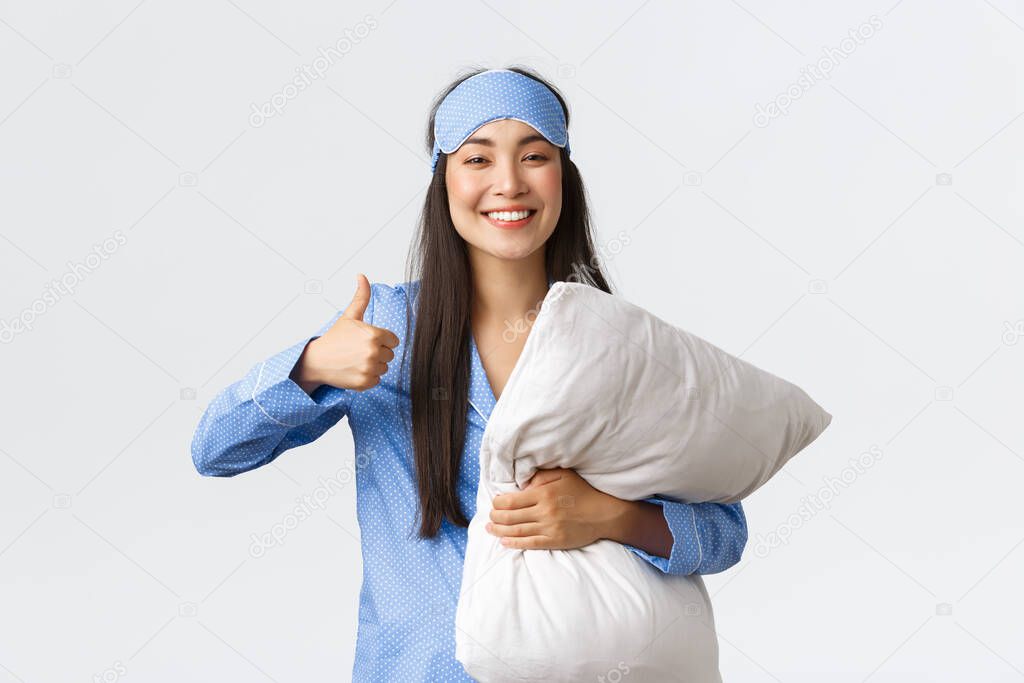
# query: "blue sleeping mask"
497 94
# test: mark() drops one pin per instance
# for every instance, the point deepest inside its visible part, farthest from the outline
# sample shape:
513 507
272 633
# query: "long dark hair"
441 340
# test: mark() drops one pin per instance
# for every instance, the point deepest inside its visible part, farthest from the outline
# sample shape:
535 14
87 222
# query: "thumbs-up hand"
351 354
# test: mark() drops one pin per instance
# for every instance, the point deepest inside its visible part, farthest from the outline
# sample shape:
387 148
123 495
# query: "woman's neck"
505 290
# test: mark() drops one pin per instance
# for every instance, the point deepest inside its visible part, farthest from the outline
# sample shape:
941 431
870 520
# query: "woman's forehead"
505 130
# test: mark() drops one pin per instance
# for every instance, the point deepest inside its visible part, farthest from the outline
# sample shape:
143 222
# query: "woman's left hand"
558 510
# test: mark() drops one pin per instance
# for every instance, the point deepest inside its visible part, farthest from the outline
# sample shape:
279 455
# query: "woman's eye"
538 157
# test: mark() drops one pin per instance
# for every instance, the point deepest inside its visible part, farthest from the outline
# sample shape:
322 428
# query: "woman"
505 216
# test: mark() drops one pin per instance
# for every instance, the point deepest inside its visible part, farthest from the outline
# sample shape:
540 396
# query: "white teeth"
508 215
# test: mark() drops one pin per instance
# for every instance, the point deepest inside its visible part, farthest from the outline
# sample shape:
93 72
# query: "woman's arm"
559 510
682 538
252 421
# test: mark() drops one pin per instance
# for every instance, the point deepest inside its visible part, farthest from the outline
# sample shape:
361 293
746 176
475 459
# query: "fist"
351 354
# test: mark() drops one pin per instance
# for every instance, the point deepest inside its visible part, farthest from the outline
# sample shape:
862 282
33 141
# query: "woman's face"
506 165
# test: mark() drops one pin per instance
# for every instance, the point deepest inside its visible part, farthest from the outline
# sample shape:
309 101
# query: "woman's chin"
513 252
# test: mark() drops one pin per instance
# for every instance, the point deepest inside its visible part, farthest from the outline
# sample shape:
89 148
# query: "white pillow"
637 407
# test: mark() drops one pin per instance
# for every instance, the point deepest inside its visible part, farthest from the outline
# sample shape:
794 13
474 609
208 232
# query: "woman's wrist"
641 525
304 373
619 521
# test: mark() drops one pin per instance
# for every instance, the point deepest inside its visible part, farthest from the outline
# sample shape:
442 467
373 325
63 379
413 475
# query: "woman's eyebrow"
487 142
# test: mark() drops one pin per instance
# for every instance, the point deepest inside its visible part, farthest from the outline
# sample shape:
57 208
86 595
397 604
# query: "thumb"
360 300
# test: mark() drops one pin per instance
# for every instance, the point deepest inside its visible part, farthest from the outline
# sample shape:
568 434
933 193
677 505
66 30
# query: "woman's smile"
509 219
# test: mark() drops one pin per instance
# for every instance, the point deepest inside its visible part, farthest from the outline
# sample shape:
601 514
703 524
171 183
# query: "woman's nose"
509 178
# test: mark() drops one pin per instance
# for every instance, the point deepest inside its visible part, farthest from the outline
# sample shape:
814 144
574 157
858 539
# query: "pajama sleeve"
706 537
263 414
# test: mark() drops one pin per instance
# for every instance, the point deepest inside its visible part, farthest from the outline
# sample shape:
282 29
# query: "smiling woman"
505 216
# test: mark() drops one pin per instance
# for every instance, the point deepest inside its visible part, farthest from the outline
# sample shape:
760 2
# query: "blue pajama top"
410 586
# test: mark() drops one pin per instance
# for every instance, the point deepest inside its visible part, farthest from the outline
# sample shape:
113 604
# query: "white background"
826 247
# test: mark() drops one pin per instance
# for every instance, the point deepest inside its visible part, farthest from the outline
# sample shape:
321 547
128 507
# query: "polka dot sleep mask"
497 94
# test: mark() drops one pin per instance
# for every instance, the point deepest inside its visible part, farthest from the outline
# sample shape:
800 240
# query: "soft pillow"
637 407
